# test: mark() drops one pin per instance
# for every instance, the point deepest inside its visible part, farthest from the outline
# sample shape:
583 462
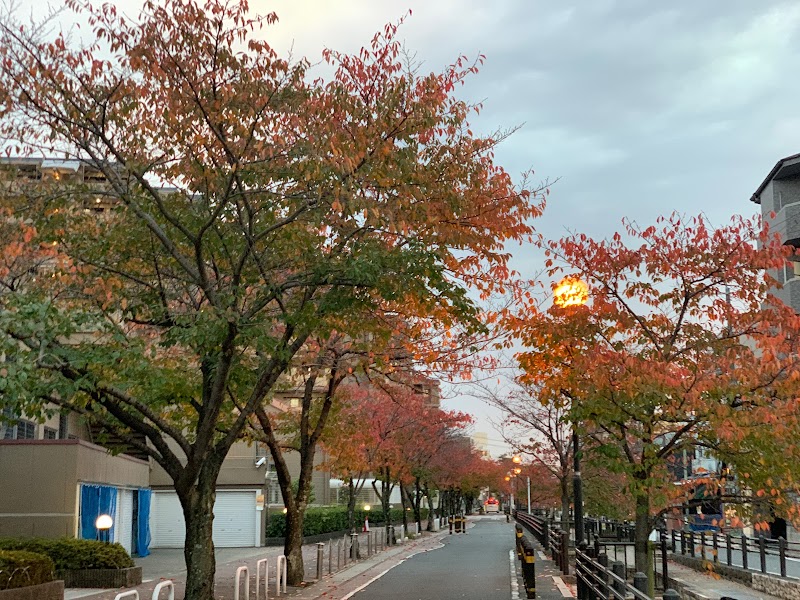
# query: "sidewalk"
701 586
169 564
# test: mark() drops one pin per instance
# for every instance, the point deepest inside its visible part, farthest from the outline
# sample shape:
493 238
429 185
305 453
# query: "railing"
760 554
597 579
553 539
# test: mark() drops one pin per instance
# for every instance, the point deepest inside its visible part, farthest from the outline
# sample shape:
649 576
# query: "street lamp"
103 525
573 291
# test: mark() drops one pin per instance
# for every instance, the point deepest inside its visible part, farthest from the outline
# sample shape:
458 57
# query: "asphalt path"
473 566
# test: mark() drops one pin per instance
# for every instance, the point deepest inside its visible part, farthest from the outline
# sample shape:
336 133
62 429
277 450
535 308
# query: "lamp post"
103 525
572 291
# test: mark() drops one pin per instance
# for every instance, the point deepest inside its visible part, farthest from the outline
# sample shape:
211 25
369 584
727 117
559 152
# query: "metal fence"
760 554
597 578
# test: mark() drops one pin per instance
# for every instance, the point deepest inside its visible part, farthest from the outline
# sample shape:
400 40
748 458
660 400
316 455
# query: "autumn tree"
679 343
251 213
537 429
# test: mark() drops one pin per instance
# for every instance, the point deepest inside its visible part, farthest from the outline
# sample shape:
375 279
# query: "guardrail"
553 539
129 594
760 554
598 579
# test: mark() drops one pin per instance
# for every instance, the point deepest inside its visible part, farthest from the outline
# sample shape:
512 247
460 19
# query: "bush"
334 518
21 569
70 553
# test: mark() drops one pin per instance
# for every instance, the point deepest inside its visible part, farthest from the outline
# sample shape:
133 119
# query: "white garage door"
124 522
235 520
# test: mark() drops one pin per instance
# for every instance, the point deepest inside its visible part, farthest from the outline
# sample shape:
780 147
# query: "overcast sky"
637 108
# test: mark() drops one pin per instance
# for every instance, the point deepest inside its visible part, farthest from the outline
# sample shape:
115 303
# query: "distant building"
480 441
779 193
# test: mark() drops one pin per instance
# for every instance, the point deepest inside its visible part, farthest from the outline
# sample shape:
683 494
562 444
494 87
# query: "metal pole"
577 487
529 495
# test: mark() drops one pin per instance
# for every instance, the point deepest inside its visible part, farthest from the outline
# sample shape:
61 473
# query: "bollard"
565 552
450 521
129 594
280 574
264 562
392 539
671 594
762 550
320 559
238 581
618 568
518 540
354 546
640 582
338 554
529 569
169 585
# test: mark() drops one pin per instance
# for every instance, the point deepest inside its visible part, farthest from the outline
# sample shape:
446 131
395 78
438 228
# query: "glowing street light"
571 291
103 524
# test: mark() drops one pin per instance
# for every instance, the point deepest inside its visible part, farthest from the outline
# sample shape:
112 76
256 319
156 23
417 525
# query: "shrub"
70 553
21 569
334 518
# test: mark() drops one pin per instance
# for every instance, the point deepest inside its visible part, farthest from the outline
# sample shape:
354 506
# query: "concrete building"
779 199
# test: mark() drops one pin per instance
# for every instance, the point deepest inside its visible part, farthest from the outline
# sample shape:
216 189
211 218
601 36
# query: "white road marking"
379 575
542 555
514 582
562 587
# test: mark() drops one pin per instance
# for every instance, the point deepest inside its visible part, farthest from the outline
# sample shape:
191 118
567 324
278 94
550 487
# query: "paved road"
474 566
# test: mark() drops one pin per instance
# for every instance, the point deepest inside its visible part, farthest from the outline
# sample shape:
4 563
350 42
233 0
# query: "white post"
129 594
529 495
265 563
237 583
164 584
280 573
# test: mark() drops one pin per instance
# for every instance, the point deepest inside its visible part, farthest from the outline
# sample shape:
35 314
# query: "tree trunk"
198 551
403 504
642 532
351 505
564 504
431 514
293 544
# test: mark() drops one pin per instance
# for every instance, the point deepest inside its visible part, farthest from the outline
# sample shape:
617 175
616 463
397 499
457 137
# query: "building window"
26 430
50 433
63 426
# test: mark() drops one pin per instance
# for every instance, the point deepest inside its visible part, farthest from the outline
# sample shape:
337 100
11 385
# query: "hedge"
334 518
71 553
21 569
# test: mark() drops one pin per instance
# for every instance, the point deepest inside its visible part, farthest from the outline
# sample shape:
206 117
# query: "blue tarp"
143 523
97 500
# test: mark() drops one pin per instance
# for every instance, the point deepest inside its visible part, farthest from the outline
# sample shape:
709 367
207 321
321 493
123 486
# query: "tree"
680 344
251 214
546 429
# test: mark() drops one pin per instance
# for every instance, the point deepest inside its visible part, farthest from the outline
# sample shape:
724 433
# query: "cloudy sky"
637 108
